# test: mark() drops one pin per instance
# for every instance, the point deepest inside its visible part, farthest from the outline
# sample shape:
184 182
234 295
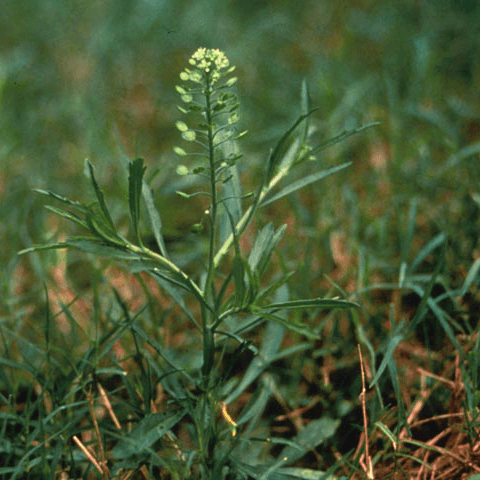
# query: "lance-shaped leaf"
155 219
77 207
311 303
312 435
150 429
294 326
299 184
262 250
276 153
270 312
135 182
340 137
99 194
103 227
271 343
69 216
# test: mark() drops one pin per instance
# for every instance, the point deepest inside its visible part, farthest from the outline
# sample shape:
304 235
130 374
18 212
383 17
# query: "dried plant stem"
368 467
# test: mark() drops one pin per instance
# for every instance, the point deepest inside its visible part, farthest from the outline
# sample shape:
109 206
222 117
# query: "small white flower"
209 61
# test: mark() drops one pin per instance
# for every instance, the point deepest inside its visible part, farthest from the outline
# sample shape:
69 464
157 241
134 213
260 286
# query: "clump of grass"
174 416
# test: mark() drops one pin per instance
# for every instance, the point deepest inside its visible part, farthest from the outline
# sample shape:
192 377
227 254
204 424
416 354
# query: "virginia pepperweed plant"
231 292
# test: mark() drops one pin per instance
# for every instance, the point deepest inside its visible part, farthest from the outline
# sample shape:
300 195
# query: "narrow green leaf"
263 247
457 157
176 295
258 472
256 405
293 187
296 327
312 435
231 195
274 156
135 183
407 237
101 227
99 194
422 309
442 317
155 219
307 474
272 340
340 137
305 106
72 203
275 285
262 241
388 433
69 216
238 271
434 243
162 352
311 303
401 413
39 248
99 247
472 275
18 366
150 429
395 338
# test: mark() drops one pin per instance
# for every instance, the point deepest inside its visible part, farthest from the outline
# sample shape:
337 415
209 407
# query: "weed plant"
400 233
232 294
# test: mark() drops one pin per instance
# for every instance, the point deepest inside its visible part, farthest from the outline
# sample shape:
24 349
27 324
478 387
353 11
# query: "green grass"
395 232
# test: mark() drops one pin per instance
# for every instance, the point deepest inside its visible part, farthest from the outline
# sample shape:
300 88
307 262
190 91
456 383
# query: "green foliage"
396 227
218 316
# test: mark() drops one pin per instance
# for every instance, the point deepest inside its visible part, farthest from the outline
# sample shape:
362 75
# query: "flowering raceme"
207 61
205 94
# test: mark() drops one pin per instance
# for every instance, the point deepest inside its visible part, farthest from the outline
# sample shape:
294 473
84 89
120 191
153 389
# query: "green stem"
165 264
209 289
248 215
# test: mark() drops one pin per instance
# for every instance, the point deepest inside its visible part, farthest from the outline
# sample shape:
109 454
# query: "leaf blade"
293 187
135 182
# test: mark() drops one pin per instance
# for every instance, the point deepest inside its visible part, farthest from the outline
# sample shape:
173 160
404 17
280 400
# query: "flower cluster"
215 107
207 61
